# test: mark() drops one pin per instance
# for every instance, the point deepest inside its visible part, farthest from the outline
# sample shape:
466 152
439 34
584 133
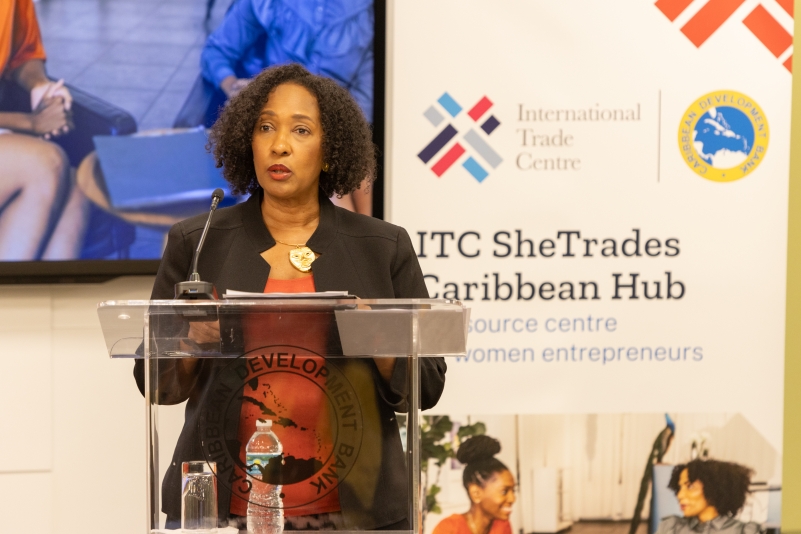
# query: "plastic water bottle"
265 509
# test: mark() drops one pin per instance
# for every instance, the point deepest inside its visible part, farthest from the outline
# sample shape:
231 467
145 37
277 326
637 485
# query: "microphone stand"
194 288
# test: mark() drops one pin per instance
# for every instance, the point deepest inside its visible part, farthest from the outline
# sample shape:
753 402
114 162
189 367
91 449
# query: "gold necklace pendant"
301 257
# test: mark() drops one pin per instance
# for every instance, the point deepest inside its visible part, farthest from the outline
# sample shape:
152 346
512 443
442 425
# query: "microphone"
194 288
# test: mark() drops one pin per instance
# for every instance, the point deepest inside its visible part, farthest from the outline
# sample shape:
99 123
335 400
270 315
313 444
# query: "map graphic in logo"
476 141
723 136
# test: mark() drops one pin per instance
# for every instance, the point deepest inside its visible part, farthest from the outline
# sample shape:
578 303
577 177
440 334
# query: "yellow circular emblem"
723 136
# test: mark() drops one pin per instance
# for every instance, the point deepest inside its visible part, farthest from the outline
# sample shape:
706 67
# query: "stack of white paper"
234 294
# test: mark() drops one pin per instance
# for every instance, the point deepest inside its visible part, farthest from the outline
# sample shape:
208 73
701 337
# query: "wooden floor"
604 527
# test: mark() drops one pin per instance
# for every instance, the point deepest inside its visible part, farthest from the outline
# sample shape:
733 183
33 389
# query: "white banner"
606 186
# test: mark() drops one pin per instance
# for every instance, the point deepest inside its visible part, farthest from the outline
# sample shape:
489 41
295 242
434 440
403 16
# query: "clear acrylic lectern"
319 370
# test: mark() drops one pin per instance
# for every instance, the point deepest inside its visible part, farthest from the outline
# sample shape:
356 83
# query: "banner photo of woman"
599 473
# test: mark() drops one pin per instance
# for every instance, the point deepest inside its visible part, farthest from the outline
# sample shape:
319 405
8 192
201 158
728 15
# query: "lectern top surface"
168 306
234 328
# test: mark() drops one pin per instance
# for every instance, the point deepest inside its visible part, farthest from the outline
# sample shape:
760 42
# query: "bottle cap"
264 425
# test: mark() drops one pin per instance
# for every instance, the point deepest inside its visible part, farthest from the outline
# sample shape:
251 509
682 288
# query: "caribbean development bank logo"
321 445
444 159
723 136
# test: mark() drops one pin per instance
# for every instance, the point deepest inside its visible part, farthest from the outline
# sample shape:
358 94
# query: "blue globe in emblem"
723 137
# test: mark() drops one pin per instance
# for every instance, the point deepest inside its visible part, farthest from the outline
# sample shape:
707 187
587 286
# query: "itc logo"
476 141
710 17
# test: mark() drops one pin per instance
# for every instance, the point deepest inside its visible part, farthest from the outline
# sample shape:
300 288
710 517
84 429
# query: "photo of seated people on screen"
104 111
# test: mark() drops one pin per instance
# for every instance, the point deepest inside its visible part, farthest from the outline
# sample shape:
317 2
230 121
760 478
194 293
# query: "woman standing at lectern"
291 140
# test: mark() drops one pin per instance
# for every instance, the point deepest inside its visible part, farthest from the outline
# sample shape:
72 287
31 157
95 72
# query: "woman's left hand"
44 95
51 90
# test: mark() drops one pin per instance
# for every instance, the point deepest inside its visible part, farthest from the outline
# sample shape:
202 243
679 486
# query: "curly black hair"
347 139
725 483
478 455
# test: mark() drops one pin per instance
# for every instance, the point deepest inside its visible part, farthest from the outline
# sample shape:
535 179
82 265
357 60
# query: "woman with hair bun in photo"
491 489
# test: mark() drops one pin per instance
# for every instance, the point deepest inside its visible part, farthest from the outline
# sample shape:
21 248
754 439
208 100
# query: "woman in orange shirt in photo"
490 486
42 214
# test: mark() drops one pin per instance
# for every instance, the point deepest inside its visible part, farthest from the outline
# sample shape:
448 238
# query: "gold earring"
325 167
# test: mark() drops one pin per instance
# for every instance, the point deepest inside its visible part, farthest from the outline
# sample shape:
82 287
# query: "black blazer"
362 255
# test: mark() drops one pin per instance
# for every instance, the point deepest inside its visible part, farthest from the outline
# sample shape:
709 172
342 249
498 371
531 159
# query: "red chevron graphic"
708 19
715 13
787 5
672 8
768 30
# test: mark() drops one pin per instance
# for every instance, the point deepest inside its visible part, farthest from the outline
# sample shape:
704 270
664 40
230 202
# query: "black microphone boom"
194 288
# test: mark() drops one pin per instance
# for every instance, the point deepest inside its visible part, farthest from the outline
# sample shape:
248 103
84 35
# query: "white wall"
71 419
